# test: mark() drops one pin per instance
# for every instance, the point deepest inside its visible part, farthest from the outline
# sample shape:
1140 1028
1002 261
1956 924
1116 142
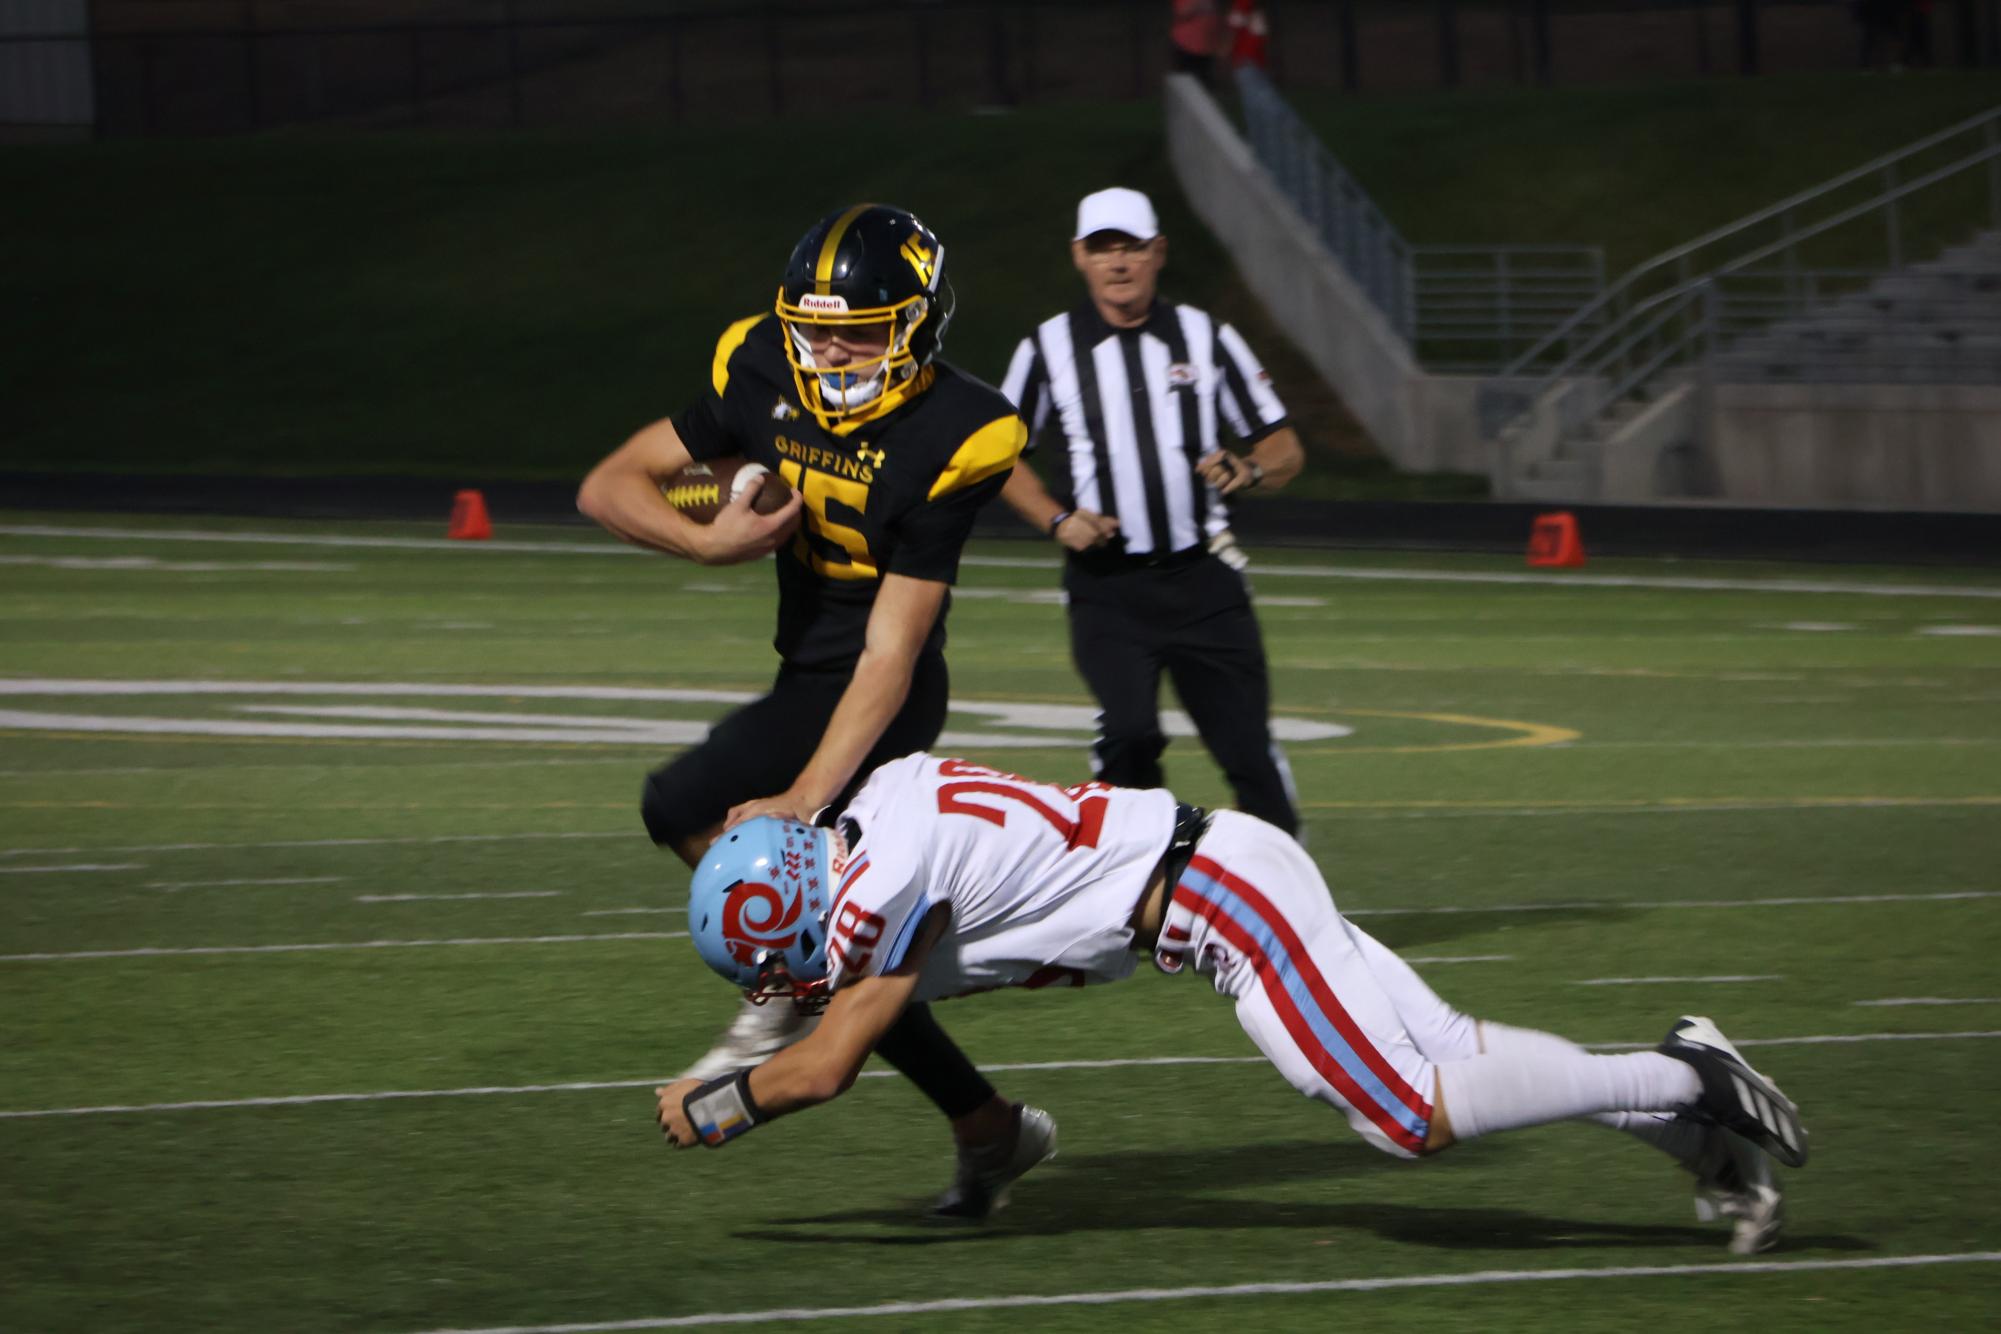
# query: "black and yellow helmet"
865 265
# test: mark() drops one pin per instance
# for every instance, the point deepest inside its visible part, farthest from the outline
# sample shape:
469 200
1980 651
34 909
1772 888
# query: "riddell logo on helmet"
757 917
832 304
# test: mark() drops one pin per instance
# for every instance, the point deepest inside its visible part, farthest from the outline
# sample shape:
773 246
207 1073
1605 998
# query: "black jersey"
893 494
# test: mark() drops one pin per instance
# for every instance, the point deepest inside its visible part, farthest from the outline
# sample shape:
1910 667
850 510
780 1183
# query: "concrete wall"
1931 447
1654 457
1281 260
1422 423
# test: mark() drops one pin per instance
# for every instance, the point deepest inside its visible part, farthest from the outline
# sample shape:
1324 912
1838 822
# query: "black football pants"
1129 622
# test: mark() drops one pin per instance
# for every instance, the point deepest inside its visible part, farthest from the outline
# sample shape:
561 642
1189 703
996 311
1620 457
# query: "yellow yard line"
1527 734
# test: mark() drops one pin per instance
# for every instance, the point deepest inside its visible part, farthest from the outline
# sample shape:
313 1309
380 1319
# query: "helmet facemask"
836 394
776 982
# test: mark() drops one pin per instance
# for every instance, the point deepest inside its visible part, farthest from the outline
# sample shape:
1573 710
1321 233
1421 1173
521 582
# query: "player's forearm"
874 695
1028 497
1281 456
806 1074
826 1062
627 503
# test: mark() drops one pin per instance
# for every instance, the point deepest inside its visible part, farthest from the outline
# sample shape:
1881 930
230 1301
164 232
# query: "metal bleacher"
1817 288
1934 322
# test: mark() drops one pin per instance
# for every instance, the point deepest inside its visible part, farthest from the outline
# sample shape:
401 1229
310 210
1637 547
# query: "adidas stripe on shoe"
1734 1095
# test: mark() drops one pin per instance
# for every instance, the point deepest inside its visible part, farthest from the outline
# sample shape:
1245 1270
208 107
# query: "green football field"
336 972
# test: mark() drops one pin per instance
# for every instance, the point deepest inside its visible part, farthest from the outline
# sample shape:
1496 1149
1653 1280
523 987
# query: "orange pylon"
1554 540
469 521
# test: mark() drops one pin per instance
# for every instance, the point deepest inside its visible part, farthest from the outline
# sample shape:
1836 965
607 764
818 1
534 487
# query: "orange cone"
469 521
1554 540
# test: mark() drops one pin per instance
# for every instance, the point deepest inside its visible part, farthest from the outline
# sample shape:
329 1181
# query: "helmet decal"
758 917
920 259
757 908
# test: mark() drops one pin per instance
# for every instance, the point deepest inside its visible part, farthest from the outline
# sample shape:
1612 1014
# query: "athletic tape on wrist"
722 1109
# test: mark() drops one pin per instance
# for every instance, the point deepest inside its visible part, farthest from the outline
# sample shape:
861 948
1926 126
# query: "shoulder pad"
726 346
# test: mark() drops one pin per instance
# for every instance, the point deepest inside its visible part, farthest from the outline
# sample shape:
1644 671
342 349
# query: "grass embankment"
483 306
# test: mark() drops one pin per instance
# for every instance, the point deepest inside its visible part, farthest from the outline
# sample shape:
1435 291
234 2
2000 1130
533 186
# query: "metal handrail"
1351 226
1599 341
1641 308
1749 220
1487 303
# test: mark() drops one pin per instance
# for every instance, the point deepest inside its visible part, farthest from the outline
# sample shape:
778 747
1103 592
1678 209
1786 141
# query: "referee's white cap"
1117 210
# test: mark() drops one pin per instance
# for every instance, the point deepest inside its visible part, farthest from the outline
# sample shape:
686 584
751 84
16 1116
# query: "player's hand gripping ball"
700 490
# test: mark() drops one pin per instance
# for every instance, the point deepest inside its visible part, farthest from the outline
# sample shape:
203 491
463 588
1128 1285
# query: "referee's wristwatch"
1257 474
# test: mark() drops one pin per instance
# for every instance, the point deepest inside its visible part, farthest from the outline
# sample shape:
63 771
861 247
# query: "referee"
1136 496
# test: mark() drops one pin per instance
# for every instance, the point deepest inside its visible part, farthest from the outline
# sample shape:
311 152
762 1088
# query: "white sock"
1527 1078
1680 1139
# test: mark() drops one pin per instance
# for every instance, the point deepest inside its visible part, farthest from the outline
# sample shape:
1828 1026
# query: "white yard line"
327 946
470 762
1603 905
1418 810
1040 563
175 885
1650 981
1121 1063
453 898
81 866
1592 905
406 841
904 1311
1933 1000
606 548
1629 581
153 565
1821 743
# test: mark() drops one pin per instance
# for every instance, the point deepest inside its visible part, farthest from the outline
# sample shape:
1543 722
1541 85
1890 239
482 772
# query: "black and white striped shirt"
1137 411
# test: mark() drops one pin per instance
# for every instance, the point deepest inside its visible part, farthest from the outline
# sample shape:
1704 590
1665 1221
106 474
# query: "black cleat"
1734 1096
980 1188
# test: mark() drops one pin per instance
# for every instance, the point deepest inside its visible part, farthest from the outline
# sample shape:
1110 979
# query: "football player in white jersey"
944 878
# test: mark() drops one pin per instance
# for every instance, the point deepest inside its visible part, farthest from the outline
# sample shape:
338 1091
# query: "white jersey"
1041 880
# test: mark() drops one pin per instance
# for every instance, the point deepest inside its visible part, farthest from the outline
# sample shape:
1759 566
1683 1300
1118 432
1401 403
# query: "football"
700 490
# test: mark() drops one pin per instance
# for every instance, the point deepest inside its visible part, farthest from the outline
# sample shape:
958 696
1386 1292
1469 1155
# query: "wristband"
1057 522
722 1109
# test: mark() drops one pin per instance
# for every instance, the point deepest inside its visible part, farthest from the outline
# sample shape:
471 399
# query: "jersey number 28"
1076 813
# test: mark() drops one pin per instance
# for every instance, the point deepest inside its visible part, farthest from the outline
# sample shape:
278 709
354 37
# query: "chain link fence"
227 66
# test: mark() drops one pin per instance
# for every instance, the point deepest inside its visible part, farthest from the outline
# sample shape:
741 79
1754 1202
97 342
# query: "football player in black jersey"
890 452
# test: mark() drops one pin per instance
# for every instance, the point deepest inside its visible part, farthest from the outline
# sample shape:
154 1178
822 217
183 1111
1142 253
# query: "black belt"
1118 562
1190 824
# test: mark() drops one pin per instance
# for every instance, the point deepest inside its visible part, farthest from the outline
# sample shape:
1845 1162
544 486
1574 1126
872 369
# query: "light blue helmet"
758 909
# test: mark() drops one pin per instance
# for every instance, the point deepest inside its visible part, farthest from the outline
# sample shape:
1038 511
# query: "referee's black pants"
756 752
1189 615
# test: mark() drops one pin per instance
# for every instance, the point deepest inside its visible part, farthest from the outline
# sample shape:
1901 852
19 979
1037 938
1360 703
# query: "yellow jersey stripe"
991 449
732 339
823 272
